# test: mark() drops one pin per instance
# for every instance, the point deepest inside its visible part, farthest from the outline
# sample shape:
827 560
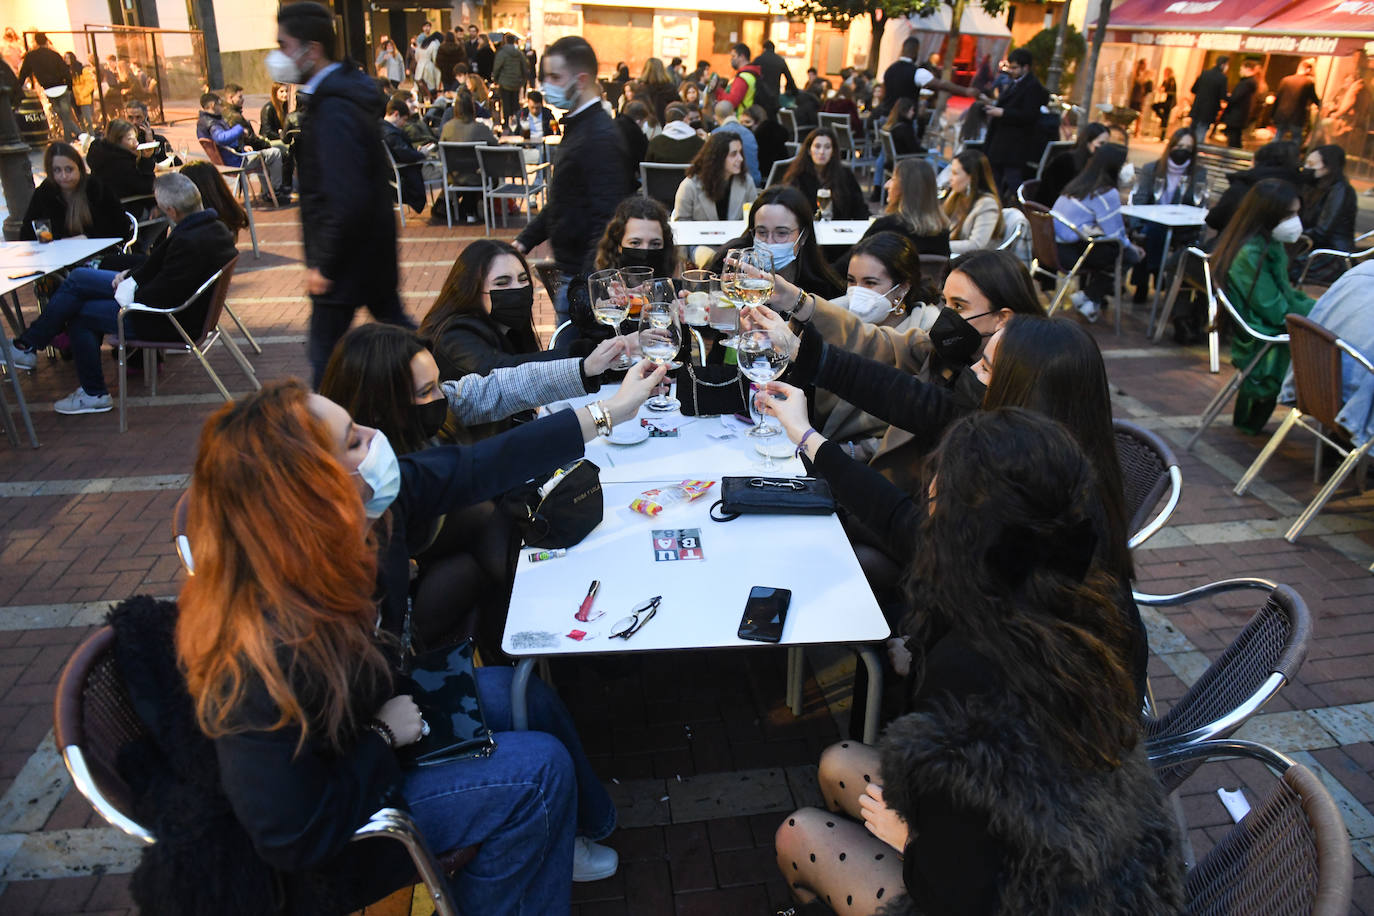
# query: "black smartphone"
764 614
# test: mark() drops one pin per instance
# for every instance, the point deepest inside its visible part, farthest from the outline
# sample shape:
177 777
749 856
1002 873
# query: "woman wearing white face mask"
1251 257
780 221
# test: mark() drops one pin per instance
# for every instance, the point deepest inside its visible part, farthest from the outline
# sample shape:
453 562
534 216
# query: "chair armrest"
1211 588
1227 748
1355 355
538 168
149 310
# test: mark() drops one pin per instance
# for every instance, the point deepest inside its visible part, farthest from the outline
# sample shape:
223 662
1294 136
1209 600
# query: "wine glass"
699 285
610 303
1161 188
660 337
746 280
761 361
635 280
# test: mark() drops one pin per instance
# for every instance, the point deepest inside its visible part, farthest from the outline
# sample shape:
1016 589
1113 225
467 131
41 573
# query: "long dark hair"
369 376
1162 166
1262 208
1002 278
1052 365
635 207
802 172
899 258
215 194
1090 132
79 218
916 202
1333 158
980 184
901 109
1005 566
814 273
462 291
708 166
1102 171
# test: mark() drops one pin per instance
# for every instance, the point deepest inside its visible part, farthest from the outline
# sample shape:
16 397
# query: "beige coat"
979 227
692 203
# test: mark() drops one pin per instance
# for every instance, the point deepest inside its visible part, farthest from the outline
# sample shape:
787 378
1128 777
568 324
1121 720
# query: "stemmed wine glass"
660 337
746 279
761 361
610 305
699 285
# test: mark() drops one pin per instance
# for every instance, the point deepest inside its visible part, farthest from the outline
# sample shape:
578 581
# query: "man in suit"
1293 103
1014 124
346 220
1240 108
1209 92
772 68
87 303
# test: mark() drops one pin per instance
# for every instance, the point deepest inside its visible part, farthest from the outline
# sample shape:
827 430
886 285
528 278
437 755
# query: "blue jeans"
84 307
523 804
560 299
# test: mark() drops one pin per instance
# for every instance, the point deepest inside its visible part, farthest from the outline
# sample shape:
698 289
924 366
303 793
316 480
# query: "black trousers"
330 317
510 104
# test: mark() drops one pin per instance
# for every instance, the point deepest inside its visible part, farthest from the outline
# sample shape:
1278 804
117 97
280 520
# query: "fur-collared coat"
1063 840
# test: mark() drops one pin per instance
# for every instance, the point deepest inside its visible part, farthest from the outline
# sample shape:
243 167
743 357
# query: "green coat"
1257 285
508 71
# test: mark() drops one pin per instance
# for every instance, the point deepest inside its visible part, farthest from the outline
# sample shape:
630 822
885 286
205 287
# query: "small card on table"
672 544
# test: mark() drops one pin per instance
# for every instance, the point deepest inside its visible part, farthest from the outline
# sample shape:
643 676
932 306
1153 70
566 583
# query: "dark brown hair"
634 207
708 166
462 291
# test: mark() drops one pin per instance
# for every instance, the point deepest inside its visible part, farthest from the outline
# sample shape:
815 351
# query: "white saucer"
775 447
628 435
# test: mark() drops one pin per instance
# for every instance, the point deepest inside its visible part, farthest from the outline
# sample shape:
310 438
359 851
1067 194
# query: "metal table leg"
248 208
520 719
795 657
1159 279
14 316
18 391
875 692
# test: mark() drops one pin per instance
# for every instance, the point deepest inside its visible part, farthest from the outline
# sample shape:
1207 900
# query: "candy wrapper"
653 502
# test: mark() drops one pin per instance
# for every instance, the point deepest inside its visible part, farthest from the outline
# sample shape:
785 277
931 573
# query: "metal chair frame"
1314 424
1025 190
252 162
1141 499
447 148
664 171
1015 229
500 181
1090 242
99 783
1350 257
217 285
788 119
778 170
1156 330
396 181
850 153
1052 149
1209 414
890 156
1243 871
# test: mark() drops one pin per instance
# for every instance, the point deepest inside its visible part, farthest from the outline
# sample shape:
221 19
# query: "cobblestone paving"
699 749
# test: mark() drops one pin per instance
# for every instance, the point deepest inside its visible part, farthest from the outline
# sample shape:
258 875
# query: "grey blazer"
693 204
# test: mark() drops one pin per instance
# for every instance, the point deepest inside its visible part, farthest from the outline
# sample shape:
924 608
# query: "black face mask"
643 257
432 416
955 340
1180 156
513 308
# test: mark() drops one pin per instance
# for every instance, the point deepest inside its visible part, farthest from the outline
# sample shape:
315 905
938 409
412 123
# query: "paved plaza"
699 748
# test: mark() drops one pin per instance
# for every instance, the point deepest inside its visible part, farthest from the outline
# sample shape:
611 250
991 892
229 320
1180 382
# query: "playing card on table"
671 544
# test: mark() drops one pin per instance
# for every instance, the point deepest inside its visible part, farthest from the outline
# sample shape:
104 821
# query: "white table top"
702 599
1172 215
718 232
52 255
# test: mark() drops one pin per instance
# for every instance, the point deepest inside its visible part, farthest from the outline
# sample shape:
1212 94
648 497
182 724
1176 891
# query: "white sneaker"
1088 309
1077 298
23 359
592 861
81 402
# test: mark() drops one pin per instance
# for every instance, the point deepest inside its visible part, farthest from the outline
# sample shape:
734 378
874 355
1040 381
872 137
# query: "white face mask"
870 305
1127 175
283 68
380 470
1289 230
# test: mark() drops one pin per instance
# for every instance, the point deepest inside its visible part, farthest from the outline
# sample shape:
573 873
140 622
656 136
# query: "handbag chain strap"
696 381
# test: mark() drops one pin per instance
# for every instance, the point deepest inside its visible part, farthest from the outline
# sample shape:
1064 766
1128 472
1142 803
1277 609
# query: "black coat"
636 144
899 82
1209 91
108 219
412 177
124 172
925 244
1296 93
1015 137
772 68
196 247
1240 109
483 60
772 139
847 200
1240 183
449 55
346 218
477 344
591 177
1328 215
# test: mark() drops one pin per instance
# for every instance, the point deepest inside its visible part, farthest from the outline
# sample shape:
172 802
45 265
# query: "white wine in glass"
660 337
761 361
610 305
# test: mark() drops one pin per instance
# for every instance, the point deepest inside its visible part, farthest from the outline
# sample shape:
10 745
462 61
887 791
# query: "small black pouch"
712 391
772 496
444 686
562 515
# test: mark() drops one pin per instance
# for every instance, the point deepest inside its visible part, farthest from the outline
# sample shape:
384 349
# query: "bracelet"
801 446
801 297
601 418
377 726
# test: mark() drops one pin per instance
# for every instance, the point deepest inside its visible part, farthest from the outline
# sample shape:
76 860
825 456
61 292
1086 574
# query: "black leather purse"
444 685
772 496
560 511
712 391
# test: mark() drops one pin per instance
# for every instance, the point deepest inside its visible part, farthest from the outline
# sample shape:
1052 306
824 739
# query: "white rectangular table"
718 232
1171 217
702 599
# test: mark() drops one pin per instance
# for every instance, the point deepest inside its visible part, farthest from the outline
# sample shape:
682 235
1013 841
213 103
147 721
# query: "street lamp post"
1057 59
16 174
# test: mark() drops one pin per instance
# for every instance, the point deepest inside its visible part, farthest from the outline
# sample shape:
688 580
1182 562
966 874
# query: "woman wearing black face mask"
1183 182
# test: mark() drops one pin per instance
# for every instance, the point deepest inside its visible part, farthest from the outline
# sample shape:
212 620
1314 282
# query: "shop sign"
1223 41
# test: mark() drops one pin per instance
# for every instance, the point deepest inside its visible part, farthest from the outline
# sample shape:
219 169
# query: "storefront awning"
1307 27
1193 15
1325 17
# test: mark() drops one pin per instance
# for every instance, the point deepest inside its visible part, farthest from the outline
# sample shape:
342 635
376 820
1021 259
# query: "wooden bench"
1219 162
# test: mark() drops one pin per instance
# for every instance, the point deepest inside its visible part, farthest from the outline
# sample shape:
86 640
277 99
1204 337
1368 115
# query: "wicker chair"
1317 379
1264 656
1290 856
1351 258
94 718
1149 470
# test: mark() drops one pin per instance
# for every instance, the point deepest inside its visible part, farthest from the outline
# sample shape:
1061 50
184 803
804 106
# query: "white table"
718 232
1171 217
702 599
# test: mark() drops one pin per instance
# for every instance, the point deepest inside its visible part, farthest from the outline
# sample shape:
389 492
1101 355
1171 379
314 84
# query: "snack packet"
653 502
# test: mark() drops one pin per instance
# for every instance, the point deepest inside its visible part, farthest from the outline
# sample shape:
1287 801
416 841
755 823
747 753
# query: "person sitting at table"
1092 202
463 127
1014 783
781 221
913 208
234 147
1329 207
86 307
1183 182
414 166
679 142
1275 159
771 137
817 168
74 203
972 207
483 317
386 378
537 121
901 124
117 162
272 118
717 186
1067 166
137 113
1251 264
330 513
215 195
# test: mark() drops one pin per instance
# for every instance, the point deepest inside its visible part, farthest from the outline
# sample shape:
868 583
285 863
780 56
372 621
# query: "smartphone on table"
764 614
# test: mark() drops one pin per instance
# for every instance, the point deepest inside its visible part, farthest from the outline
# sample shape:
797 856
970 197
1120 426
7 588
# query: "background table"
718 232
1171 217
702 599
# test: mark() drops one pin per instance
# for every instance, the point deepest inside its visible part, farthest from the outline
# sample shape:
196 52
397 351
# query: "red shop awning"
1325 17
1192 15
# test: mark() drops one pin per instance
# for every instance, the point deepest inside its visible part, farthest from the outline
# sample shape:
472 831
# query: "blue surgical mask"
380 470
557 96
783 253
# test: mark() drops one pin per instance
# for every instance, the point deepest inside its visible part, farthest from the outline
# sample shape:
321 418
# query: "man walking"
1293 103
593 173
346 218
508 72
1014 124
1240 108
51 72
744 86
772 68
1209 91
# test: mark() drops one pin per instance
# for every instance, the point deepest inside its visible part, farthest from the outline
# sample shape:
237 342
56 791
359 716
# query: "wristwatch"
601 417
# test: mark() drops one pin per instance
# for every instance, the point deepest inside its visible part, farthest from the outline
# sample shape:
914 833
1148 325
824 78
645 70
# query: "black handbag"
560 511
712 391
443 684
772 496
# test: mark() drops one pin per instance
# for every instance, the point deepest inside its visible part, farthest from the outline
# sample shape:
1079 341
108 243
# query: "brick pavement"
703 756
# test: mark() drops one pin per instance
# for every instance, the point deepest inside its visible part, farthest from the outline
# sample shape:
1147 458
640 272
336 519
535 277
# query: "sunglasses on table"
629 626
